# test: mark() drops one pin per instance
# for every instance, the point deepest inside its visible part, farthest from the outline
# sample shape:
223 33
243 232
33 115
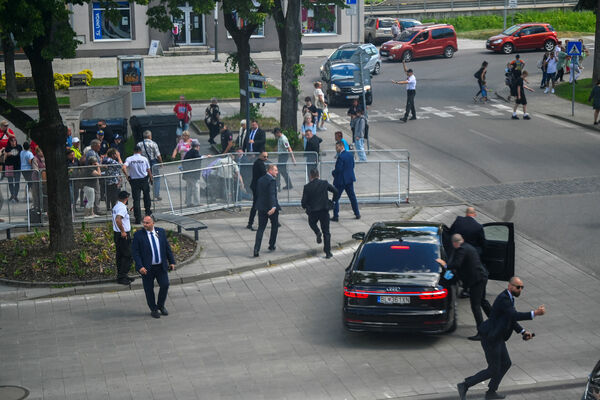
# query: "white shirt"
318 95
137 166
552 64
412 82
120 209
153 238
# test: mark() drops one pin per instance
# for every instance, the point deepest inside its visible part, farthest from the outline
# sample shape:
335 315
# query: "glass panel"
320 19
197 29
496 232
180 37
104 29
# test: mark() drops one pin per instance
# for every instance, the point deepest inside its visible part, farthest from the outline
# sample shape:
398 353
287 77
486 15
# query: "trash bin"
90 127
162 126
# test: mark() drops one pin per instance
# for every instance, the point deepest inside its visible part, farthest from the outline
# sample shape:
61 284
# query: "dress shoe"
155 314
123 281
357 217
250 227
462 391
491 395
475 338
334 219
131 279
464 294
288 187
403 119
413 118
271 248
319 238
256 254
163 310
328 255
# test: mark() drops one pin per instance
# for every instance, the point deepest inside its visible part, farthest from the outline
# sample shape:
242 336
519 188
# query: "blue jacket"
343 174
503 319
142 250
266 193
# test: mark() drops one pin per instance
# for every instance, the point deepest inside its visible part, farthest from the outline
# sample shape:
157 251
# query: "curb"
566 119
515 389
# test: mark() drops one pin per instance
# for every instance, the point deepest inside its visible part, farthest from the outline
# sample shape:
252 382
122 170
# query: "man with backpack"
212 116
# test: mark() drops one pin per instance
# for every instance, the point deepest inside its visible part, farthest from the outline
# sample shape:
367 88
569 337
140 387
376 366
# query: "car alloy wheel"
549 45
448 52
377 69
507 48
407 56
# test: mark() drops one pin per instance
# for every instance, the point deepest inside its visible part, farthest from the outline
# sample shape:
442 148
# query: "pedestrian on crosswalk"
521 99
411 86
480 76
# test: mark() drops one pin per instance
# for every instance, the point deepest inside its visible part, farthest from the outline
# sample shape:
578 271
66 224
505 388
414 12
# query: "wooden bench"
187 223
6 227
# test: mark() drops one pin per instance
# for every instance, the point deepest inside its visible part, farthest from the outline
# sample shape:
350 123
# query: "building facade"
130 35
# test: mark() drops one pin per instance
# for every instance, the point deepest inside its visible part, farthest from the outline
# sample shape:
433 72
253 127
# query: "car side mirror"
358 236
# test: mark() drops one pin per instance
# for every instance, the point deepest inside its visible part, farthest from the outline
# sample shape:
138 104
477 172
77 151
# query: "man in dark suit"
472 232
495 332
255 140
153 258
259 170
465 261
267 207
315 201
343 180
312 149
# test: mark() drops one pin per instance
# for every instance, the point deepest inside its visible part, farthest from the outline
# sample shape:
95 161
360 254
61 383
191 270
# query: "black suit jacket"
466 262
315 197
471 231
259 169
141 249
313 144
266 192
503 320
260 139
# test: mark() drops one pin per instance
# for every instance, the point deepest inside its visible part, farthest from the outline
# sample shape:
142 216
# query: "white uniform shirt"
412 82
120 209
137 166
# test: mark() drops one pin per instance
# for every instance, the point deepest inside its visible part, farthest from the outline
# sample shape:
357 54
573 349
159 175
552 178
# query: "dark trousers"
410 103
282 165
349 188
139 186
123 257
559 74
263 217
498 361
478 301
323 218
112 195
253 208
13 184
213 131
162 277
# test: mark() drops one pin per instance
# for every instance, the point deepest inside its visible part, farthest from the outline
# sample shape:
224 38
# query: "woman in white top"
320 104
307 125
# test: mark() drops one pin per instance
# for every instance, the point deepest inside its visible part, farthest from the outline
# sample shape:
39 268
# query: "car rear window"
342 54
442 33
398 256
385 23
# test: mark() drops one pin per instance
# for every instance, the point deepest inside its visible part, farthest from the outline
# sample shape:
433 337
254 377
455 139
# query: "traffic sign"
253 89
350 2
512 3
263 100
574 48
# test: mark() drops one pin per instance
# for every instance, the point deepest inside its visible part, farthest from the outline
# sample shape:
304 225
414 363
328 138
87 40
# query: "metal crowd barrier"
206 184
390 7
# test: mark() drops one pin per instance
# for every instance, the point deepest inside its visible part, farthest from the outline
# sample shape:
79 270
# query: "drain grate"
13 393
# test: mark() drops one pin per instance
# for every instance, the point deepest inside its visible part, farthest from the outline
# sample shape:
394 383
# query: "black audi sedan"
393 282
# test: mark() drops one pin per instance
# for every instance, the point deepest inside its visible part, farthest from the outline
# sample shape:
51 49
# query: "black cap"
123 194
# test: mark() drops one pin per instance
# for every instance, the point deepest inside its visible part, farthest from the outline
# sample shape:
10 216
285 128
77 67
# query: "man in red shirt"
5 133
183 110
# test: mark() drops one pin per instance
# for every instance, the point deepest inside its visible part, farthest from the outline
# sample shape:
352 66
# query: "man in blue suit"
153 258
343 179
267 207
495 332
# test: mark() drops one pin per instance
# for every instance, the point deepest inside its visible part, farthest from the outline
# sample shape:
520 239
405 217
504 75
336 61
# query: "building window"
321 19
259 32
104 29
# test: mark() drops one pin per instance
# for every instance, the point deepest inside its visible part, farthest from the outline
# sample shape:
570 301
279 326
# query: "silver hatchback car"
344 54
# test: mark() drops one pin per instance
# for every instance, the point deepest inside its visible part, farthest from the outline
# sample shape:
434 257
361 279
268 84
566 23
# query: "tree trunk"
8 47
50 134
241 37
290 44
596 72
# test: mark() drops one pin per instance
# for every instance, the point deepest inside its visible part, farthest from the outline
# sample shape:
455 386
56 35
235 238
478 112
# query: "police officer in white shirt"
137 169
411 86
122 229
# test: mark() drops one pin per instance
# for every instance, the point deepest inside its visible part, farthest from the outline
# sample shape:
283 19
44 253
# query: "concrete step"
187 51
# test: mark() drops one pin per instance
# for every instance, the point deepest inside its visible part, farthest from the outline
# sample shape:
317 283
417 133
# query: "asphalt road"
520 171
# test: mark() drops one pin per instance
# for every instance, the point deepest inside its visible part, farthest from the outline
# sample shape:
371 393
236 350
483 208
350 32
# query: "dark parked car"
592 389
393 282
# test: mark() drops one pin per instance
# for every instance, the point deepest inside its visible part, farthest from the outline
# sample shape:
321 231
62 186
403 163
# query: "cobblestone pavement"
275 333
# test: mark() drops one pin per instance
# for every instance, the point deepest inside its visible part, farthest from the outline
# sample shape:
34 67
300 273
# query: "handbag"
325 114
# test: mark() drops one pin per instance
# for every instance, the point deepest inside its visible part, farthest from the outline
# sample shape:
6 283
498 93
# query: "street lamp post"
216 32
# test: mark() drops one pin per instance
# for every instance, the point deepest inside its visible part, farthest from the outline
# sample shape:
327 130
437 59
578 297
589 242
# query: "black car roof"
402 229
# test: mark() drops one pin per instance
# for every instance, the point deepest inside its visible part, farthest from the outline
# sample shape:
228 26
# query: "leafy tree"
8 49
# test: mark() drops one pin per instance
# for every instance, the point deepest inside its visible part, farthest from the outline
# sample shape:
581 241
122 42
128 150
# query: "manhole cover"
13 393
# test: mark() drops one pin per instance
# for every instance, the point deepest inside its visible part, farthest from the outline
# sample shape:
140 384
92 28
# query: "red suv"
524 36
421 41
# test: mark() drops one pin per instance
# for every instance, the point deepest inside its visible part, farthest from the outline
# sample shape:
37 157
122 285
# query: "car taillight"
435 295
357 295
377 24
399 247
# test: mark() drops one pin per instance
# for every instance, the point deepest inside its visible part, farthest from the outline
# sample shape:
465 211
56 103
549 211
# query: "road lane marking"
485 136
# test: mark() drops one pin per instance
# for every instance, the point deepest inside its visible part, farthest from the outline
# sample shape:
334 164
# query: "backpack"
211 115
477 74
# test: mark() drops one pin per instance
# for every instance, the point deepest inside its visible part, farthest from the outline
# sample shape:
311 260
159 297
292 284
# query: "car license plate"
352 96
384 53
393 300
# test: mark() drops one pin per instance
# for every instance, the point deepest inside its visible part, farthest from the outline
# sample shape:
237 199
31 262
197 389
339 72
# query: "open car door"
499 252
